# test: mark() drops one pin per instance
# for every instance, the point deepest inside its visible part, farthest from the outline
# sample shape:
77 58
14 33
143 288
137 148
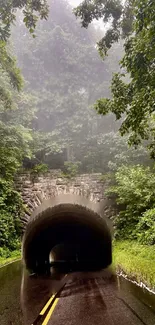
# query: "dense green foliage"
120 16
15 137
7 256
135 191
29 9
51 123
71 169
8 68
109 151
9 76
10 210
133 100
15 145
65 76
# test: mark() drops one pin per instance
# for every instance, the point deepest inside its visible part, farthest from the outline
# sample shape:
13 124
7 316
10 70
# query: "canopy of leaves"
9 77
120 17
31 9
134 101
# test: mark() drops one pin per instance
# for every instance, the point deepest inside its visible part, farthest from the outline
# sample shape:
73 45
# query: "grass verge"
12 257
135 260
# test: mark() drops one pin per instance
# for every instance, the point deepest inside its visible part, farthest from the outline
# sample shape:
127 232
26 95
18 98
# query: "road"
87 299
94 298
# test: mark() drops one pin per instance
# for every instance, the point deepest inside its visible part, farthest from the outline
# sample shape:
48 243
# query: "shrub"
11 208
37 170
71 168
146 228
135 191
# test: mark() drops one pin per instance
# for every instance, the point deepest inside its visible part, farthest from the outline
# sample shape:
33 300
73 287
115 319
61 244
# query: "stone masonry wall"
35 190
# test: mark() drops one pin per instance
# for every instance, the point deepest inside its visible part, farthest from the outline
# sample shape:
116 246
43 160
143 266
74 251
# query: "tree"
119 15
9 74
66 76
8 10
15 137
112 152
14 146
134 100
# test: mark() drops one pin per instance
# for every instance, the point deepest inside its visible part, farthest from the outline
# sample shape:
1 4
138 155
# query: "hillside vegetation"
52 77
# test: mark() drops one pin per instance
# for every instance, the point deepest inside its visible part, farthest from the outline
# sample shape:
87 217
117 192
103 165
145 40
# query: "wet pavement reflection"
10 284
23 296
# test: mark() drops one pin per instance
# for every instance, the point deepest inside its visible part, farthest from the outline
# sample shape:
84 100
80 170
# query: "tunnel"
69 232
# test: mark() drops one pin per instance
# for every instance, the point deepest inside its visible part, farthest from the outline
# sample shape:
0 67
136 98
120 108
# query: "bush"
11 208
146 228
71 168
135 190
37 170
4 252
40 169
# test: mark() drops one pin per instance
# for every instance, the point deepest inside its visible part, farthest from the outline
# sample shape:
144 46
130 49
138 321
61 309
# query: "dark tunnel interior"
70 235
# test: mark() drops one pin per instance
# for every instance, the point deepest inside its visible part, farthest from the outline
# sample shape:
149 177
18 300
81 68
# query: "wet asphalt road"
87 299
96 301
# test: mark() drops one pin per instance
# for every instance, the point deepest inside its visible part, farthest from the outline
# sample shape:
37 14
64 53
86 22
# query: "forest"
77 96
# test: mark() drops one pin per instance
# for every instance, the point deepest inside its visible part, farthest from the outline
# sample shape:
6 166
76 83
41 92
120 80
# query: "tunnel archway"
71 223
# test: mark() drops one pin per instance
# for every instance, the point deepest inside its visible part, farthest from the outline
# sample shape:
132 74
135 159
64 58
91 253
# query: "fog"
64 76
74 3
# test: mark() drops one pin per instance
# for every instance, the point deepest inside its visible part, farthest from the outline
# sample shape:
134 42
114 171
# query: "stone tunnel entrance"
69 229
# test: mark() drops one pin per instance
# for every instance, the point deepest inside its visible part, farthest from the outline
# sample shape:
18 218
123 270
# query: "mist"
77 117
64 76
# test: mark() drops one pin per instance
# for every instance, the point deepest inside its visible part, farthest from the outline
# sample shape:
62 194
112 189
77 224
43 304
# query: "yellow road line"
49 302
47 305
46 320
43 311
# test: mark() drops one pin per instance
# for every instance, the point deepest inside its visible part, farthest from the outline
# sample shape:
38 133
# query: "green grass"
15 255
135 260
